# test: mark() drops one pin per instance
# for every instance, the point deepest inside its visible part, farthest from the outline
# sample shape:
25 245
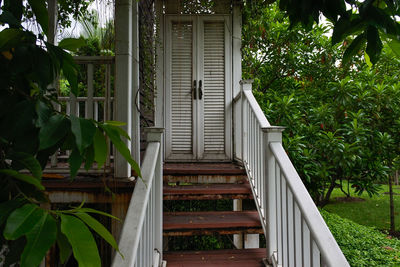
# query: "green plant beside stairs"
31 130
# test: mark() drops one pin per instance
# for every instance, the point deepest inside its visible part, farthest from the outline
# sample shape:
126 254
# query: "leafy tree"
31 131
341 119
370 21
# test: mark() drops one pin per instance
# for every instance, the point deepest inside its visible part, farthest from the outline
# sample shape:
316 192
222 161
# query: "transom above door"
198 88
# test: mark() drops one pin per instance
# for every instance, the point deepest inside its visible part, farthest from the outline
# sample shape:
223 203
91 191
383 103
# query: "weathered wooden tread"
203 169
216 258
207 191
211 222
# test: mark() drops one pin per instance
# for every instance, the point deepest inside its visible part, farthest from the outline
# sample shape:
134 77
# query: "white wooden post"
271 134
238 238
123 78
245 85
155 134
135 136
237 74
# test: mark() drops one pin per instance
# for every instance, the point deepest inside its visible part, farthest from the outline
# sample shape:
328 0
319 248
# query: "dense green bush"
362 245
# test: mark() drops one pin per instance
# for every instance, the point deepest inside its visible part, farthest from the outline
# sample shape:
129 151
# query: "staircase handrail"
141 236
295 231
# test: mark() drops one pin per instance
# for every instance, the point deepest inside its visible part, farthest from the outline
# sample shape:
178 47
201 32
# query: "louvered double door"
198 88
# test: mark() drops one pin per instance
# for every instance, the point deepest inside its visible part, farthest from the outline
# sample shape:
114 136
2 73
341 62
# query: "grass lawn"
371 212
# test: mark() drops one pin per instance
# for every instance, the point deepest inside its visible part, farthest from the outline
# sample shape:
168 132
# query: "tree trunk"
392 222
325 199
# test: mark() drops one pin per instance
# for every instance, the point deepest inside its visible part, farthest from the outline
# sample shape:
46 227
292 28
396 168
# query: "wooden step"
199 172
207 192
216 258
211 222
199 168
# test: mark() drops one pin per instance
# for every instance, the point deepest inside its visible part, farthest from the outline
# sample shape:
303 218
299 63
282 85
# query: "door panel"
181 88
214 87
197 88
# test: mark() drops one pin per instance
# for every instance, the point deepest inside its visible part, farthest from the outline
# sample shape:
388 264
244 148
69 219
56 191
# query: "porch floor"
216 258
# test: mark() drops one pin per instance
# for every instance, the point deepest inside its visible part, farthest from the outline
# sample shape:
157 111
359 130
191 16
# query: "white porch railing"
296 233
98 107
141 236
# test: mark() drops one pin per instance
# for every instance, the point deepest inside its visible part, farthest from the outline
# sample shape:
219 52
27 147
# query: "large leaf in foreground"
53 131
23 177
64 246
113 132
72 44
27 161
82 241
7 207
98 228
39 241
84 131
22 220
100 148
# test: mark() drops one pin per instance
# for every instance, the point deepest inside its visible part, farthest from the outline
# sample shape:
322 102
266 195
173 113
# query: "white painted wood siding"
181 87
214 87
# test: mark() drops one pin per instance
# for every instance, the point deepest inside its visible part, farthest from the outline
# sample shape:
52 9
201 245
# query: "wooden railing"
141 236
296 233
97 106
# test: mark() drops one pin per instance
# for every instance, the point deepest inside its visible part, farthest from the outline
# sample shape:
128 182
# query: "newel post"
155 134
245 87
271 134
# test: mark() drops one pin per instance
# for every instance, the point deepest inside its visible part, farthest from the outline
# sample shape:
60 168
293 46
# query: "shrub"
363 245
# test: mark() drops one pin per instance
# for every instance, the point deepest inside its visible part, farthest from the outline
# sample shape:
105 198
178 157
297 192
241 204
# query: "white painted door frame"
197 74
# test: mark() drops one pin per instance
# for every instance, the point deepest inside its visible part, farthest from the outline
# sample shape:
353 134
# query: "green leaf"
39 241
89 210
43 112
374 44
75 161
23 177
116 126
40 10
84 131
22 220
15 7
98 228
114 135
64 246
6 208
72 44
100 148
395 46
53 131
340 29
8 17
345 27
29 162
115 123
353 48
89 157
367 60
9 38
82 241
